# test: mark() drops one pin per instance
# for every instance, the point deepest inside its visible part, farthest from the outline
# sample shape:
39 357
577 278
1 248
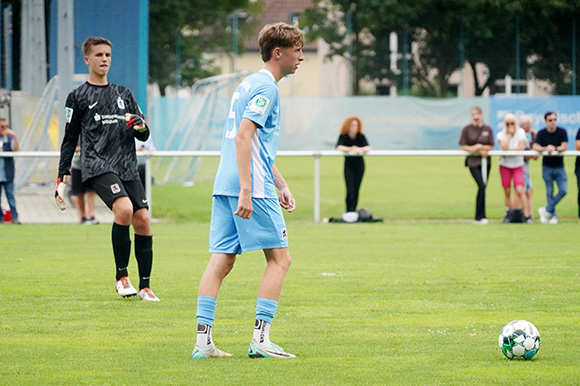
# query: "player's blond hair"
94 41
346 125
278 35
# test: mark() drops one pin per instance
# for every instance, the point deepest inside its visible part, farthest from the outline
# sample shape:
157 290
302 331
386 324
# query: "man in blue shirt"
246 213
8 142
552 139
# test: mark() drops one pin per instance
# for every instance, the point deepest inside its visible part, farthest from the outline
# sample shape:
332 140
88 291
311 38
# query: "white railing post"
316 187
484 169
148 184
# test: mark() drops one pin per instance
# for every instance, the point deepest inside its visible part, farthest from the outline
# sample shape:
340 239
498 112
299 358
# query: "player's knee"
222 265
141 221
284 261
227 267
123 210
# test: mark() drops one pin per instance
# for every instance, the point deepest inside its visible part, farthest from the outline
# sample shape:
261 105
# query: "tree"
183 32
445 32
357 30
550 41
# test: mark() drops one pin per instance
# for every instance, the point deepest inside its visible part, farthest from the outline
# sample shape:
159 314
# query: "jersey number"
232 115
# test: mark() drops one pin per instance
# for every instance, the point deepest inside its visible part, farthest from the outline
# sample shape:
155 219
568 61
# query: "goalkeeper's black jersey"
97 115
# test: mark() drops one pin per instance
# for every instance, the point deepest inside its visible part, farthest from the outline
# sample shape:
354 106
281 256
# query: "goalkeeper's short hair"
94 41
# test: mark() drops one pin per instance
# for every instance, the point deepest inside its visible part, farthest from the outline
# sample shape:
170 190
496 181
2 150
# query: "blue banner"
567 109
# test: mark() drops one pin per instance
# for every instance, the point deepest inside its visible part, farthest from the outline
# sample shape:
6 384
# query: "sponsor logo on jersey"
69 114
93 105
115 188
107 119
121 103
259 104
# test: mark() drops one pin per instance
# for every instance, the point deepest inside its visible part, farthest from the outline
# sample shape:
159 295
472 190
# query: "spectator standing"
82 198
353 142
526 124
511 167
477 139
552 139
9 142
577 169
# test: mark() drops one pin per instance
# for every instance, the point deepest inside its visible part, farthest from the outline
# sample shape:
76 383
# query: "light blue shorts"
229 233
527 177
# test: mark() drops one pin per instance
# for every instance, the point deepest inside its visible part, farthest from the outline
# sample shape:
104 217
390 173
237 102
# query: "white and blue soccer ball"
519 339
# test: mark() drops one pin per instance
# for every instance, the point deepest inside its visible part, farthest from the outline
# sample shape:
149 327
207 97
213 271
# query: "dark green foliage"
191 29
486 31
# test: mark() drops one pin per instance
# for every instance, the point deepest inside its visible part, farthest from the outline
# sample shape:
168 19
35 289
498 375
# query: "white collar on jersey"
269 73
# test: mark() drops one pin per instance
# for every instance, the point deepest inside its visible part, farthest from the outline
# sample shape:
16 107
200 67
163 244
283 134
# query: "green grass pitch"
417 300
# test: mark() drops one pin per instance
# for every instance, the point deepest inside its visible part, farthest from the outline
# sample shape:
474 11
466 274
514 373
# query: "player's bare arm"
244 158
284 194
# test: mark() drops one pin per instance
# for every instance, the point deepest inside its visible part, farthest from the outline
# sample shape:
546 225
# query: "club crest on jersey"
97 117
115 188
259 104
121 103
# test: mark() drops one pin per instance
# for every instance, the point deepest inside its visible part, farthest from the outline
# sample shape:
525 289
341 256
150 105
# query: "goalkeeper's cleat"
147 294
124 287
267 350
210 352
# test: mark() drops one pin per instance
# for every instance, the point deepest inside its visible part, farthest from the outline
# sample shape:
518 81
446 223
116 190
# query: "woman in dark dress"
353 142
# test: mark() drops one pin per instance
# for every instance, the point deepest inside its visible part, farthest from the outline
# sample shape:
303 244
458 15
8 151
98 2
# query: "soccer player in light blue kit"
246 209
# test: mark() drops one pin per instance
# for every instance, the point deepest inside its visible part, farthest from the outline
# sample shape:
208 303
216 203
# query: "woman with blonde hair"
353 142
511 167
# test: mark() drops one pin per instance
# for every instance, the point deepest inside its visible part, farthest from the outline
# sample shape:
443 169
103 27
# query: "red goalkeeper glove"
59 192
135 122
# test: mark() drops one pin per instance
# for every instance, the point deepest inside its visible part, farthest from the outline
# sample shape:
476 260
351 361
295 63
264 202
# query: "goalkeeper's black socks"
144 255
121 248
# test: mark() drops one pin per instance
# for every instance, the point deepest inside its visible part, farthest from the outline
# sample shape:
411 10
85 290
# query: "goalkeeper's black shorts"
109 187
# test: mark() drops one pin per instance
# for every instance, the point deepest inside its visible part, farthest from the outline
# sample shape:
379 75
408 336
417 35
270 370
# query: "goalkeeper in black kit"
107 120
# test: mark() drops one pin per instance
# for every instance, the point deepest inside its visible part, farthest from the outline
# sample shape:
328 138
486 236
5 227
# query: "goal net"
199 127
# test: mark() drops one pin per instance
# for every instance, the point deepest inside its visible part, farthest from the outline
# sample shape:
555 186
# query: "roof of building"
276 11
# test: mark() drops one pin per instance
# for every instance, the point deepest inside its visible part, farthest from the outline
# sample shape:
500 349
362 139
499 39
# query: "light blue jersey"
256 99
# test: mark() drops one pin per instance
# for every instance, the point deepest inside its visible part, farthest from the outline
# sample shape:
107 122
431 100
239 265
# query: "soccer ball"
519 339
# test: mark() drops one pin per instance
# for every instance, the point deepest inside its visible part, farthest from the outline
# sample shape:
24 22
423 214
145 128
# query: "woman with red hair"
353 142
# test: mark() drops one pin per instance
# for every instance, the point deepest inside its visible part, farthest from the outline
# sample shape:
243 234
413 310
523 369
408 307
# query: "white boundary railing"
306 153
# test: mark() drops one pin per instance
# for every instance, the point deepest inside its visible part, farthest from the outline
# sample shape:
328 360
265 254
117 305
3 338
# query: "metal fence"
316 156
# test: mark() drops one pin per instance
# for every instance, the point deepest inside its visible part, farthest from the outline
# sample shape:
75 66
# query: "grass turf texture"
404 302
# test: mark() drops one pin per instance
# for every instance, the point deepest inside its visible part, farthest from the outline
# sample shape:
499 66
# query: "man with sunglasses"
552 139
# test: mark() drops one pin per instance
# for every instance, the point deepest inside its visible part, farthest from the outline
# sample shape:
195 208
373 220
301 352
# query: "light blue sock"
266 309
206 307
